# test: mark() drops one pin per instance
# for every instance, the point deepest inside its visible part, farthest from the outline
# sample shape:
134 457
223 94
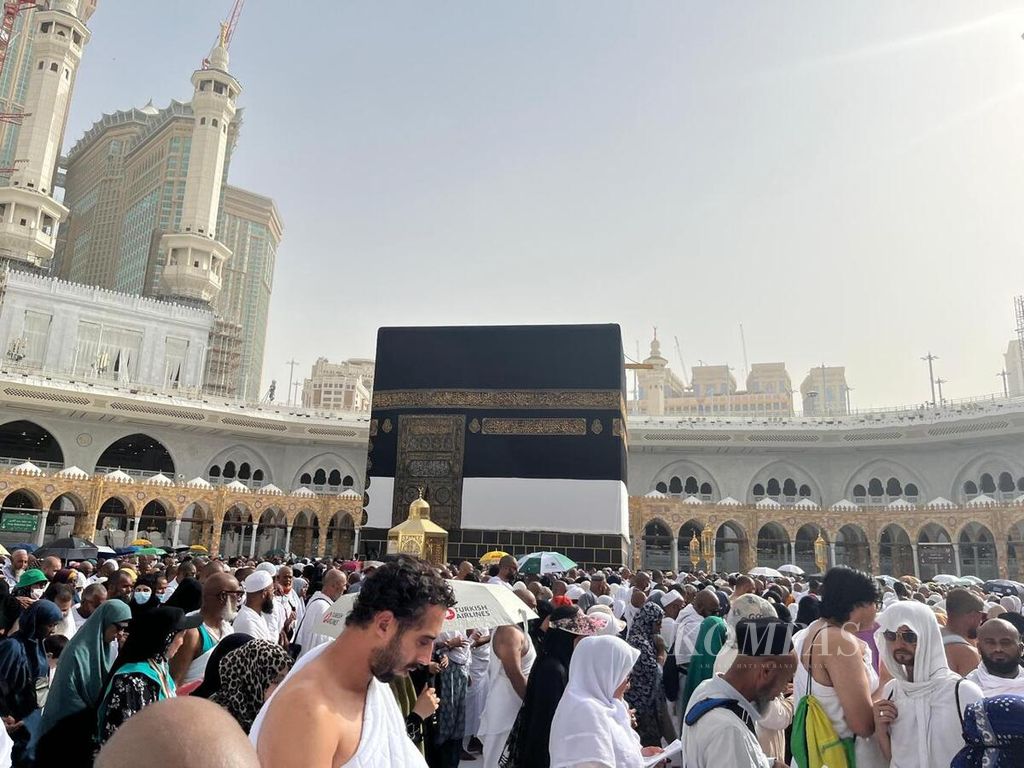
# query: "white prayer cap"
518 585
257 581
606 600
670 597
267 568
108 562
575 592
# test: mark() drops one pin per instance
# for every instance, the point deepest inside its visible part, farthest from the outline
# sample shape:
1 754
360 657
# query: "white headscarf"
1010 603
918 700
590 724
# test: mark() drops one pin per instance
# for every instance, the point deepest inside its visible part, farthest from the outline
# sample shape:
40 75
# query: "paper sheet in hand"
665 754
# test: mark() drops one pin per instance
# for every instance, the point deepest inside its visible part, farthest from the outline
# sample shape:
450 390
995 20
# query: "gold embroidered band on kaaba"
519 399
534 426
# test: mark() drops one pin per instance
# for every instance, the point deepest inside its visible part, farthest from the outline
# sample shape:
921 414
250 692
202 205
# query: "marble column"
832 552
917 565
956 558
288 539
252 540
675 552
175 532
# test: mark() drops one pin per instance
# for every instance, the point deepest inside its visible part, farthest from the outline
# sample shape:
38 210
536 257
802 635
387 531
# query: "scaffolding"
224 358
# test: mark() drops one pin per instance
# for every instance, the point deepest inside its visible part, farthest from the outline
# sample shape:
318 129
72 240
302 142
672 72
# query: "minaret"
194 259
29 215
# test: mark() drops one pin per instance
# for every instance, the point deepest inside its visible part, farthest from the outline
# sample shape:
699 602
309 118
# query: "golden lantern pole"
820 553
694 551
707 537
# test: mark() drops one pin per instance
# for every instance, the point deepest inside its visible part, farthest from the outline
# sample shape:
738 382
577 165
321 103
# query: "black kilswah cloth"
764 637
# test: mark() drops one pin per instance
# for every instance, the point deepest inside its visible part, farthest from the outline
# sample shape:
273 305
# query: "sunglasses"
908 637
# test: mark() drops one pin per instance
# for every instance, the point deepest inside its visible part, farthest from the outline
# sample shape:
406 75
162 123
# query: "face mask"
37 592
141 597
162 597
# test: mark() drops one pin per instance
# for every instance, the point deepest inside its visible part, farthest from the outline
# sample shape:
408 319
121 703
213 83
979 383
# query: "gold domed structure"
419 535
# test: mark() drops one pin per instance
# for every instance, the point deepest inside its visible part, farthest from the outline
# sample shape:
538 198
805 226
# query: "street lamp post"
1003 375
931 373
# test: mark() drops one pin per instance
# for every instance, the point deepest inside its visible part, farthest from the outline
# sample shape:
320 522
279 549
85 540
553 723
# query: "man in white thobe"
259 601
918 719
718 728
999 672
306 637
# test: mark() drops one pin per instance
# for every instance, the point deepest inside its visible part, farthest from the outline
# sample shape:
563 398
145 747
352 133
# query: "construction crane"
11 10
227 29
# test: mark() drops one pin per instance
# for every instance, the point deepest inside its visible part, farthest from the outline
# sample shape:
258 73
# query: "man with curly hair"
335 708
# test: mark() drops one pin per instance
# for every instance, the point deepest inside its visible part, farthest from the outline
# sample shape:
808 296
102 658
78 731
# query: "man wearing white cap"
672 604
259 602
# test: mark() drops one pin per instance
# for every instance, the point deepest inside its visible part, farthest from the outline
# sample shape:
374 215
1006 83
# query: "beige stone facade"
854 536
307 519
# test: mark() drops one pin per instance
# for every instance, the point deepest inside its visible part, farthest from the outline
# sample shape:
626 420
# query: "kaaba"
516 433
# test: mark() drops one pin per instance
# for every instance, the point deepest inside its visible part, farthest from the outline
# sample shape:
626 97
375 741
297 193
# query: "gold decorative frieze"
534 426
513 399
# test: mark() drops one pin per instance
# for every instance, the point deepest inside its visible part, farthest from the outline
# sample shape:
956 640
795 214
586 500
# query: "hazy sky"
844 178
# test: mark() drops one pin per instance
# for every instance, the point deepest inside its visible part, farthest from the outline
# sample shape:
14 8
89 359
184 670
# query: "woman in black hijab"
528 742
188 596
141 675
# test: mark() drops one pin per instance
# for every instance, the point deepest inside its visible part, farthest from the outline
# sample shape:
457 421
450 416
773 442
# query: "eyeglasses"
238 594
908 637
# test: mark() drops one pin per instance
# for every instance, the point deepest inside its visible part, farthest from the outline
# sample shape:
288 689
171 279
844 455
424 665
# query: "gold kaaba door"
430 451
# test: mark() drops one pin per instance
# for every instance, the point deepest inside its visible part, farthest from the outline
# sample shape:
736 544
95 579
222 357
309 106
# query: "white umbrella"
944 578
796 570
887 580
478 606
768 573
972 579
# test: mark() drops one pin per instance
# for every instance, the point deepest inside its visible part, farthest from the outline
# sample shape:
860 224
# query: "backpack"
814 742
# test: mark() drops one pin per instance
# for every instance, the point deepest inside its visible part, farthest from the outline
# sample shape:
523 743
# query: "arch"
22 499
694 480
934 551
803 547
970 489
341 536
305 534
28 441
991 463
758 492
153 522
895 553
911 492
195 525
986 483
875 489
334 478
244 471
852 548
772 545
229 470
60 519
113 522
320 477
661 487
272 532
1006 483
977 548
685 534
783 475
236 531
805 491
675 486
137 452
326 462
241 454
657 545
886 471
731 545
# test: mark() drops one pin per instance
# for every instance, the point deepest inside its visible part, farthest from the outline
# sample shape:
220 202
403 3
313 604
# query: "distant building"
824 392
713 390
346 386
91 334
151 214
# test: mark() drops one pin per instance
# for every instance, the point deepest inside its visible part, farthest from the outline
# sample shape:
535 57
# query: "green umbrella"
150 551
545 562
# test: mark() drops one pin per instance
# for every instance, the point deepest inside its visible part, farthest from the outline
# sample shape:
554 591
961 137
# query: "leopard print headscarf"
245 675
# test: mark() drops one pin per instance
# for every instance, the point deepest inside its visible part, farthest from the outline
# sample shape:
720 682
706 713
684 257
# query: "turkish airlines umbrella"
478 606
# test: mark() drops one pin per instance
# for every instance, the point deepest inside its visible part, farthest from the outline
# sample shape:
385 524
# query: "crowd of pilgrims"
841 670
